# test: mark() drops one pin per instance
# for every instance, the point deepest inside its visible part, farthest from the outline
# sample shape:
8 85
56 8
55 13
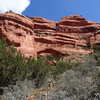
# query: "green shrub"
13 66
10 64
61 67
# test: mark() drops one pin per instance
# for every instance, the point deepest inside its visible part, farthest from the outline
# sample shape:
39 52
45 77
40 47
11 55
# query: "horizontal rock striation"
36 36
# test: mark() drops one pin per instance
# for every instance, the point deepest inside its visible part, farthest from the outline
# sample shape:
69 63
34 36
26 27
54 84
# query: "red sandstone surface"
38 36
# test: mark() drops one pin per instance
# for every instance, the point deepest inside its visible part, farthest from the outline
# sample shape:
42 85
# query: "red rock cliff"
39 36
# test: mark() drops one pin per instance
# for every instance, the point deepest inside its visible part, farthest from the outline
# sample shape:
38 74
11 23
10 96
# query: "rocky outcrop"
36 36
18 31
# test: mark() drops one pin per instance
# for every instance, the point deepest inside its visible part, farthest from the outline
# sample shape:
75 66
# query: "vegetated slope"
80 83
73 80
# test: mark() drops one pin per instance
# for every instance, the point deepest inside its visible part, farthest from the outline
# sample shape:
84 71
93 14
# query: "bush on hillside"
13 66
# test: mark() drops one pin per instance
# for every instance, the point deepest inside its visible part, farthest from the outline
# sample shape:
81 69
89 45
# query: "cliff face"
41 37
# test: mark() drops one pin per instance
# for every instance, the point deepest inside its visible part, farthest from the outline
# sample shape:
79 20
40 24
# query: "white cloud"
17 6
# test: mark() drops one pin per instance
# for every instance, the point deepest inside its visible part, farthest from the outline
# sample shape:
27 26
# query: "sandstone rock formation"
36 36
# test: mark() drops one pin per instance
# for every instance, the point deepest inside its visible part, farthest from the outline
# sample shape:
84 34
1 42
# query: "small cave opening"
19 34
51 52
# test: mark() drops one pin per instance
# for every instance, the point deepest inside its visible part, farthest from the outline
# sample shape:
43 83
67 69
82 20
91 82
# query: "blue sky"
56 9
